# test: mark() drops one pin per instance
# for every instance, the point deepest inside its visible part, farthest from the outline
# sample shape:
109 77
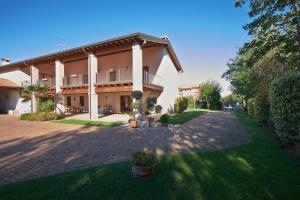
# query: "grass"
258 170
186 116
89 123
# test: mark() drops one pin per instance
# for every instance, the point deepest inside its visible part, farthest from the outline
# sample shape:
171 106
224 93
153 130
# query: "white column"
34 80
137 67
93 97
59 75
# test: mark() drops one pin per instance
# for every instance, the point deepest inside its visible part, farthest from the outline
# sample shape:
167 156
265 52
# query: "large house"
92 76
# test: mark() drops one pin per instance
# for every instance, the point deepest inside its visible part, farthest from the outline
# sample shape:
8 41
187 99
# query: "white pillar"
137 67
59 75
34 71
93 97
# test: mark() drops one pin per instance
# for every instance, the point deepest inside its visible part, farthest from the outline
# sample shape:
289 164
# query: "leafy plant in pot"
143 163
151 101
137 95
164 119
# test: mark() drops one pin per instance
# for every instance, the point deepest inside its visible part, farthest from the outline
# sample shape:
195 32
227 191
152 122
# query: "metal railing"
75 80
114 76
50 82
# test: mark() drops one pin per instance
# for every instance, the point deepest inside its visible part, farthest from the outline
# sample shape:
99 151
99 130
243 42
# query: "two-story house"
92 76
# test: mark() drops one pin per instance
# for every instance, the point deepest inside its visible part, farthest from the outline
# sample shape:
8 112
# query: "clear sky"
204 33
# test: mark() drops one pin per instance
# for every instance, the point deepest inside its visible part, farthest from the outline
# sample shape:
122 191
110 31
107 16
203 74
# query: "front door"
125 103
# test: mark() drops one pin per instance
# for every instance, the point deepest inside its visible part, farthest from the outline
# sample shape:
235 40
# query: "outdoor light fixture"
74 75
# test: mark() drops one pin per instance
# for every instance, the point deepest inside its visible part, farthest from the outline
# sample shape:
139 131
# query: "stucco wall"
75 101
12 98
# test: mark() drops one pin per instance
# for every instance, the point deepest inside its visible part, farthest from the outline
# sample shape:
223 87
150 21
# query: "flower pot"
133 124
143 171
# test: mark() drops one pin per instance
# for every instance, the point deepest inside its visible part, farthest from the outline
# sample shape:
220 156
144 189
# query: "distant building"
186 90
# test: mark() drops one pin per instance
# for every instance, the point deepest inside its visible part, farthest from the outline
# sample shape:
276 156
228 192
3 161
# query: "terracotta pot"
133 124
143 171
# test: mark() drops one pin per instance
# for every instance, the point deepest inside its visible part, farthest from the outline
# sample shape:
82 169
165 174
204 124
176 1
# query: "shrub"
251 107
143 158
158 109
46 106
211 93
40 116
190 101
137 94
164 118
181 104
261 108
285 107
151 101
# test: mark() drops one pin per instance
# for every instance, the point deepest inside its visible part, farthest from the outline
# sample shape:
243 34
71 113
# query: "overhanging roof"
4 83
135 37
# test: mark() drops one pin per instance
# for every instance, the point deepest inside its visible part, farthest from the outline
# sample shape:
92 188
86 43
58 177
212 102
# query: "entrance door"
125 103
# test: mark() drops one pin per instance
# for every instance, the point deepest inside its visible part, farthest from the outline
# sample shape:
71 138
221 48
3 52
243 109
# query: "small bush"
40 116
261 108
181 104
158 109
285 107
151 101
251 107
190 101
143 158
164 118
137 94
46 106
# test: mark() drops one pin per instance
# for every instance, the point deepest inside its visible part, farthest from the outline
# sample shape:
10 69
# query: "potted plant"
143 163
151 101
164 119
158 109
135 106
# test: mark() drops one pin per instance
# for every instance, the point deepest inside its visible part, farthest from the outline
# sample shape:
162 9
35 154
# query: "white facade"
10 99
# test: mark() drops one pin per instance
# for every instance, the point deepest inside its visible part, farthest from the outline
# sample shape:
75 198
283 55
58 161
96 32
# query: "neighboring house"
186 90
102 74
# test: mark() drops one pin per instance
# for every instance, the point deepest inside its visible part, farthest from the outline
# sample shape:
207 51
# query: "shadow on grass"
89 123
259 170
186 116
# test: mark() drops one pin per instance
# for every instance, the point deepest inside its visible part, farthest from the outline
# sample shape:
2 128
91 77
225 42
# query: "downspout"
89 86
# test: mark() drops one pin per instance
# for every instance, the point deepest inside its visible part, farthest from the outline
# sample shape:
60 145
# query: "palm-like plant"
41 93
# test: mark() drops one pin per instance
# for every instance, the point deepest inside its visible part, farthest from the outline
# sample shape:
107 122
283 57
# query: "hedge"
40 116
285 107
251 107
181 104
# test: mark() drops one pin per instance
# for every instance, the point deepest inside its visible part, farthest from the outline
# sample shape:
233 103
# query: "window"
146 74
69 100
112 76
81 101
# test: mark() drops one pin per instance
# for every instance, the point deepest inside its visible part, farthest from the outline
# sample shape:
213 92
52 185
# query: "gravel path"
31 149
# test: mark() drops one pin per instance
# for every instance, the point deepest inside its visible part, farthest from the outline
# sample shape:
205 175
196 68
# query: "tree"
211 93
275 23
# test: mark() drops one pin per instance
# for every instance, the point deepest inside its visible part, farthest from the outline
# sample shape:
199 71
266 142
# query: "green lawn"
258 170
88 123
186 116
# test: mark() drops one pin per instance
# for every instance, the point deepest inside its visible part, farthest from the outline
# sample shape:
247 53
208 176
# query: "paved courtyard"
31 149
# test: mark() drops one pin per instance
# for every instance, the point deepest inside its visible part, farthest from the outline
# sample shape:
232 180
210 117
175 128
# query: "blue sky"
204 34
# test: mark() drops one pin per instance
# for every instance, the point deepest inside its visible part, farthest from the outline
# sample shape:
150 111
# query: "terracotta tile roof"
4 83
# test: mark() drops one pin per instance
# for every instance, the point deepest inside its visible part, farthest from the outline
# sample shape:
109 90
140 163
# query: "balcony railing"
50 82
114 76
74 80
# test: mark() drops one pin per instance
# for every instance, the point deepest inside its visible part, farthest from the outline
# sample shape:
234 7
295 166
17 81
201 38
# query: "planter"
143 171
133 123
150 121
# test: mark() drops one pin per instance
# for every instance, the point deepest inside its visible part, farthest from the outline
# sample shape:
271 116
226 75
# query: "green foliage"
211 93
158 109
137 94
261 108
40 116
143 158
41 92
46 106
251 107
285 106
135 105
90 123
191 101
181 104
164 118
151 101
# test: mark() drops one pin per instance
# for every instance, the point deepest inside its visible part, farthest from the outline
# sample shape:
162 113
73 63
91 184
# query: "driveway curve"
32 149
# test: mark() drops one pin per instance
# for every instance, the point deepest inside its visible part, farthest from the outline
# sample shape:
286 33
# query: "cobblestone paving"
31 149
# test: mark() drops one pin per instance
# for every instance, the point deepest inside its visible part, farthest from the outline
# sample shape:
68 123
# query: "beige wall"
76 67
75 100
112 99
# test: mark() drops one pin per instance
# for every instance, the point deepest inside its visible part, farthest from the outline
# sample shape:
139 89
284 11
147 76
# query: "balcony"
50 82
75 80
106 77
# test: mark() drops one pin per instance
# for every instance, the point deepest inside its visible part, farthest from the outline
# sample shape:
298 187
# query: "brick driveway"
31 149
